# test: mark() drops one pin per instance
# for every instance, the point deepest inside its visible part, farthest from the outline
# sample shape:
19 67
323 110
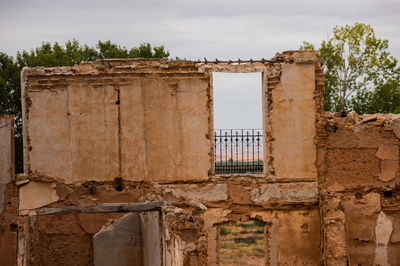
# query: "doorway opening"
242 243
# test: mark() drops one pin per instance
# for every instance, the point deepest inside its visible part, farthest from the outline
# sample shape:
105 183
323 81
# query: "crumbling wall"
189 221
133 132
108 119
127 132
358 159
8 193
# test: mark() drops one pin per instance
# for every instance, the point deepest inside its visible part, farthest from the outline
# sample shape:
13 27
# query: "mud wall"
102 138
358 159
114 118
123 149
8 193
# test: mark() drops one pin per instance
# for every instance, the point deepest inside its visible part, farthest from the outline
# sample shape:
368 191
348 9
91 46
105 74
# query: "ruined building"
119 164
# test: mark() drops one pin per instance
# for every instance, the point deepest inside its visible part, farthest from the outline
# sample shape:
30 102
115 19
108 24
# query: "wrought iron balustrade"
238 151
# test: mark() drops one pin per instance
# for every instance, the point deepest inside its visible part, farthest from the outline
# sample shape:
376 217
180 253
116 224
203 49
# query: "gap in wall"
241 243
238 134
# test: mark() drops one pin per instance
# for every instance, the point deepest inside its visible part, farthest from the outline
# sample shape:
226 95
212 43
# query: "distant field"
241 243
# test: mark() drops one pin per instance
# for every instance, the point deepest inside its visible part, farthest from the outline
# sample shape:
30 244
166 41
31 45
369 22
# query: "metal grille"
238 151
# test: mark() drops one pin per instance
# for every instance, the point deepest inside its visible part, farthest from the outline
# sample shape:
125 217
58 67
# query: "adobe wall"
112 118
358 169
132 131
103 120
8 193
123 149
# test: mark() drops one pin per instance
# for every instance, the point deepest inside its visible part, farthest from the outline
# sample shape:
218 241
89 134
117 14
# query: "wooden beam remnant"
108 207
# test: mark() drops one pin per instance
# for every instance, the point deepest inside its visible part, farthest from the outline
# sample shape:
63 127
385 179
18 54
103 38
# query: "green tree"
360 74
51 55
146 51
111 50
9 85
73 53
10 100
384 99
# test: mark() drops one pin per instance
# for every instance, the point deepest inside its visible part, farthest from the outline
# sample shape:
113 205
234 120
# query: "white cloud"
223 29
192 29
237 100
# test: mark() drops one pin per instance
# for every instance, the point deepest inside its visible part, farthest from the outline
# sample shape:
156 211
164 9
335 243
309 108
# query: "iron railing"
238 151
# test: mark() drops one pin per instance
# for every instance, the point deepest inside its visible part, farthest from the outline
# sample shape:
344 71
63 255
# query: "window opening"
238 134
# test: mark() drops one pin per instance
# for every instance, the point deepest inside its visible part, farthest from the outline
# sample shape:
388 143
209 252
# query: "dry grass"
233 253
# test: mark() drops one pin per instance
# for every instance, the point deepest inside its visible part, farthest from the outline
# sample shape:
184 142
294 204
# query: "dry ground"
241 243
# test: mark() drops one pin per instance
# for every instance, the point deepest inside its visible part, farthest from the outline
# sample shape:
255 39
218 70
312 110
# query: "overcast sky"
223 29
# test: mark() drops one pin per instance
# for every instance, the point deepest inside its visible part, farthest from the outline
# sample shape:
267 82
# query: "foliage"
48 55
55 55
260 230
384 99
145 50
9 85
10 100
254 223
223 231
360 74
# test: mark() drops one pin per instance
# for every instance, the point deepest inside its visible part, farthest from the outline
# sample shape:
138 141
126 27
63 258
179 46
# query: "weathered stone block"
389 156
351 167
119 243
164 129
305 57
293 123
93 133
37 194
145 128
6 155
6 131
365 209
361 217
348 139
48 130
285 192
296 237
396 127
209 192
